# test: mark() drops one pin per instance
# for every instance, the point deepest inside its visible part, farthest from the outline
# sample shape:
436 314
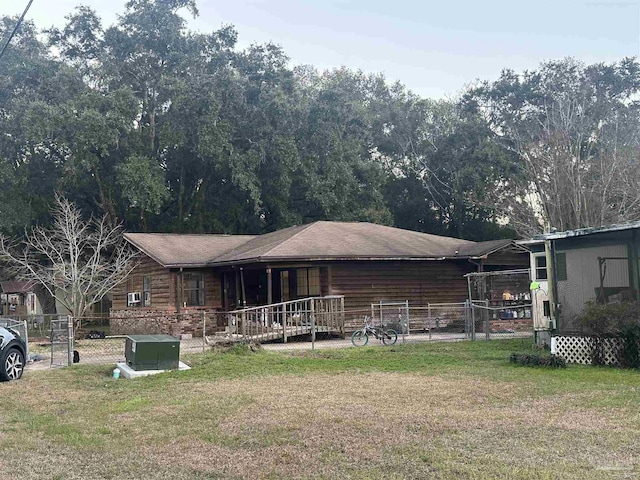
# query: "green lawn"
449 410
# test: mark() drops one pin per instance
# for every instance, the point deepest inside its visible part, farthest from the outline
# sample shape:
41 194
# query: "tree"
167 129
30 83
441 166
78 261
576 132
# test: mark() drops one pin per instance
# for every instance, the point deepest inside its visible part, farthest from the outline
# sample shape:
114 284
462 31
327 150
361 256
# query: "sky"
434 48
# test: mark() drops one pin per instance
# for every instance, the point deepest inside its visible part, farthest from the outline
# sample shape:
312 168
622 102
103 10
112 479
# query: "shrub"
528 360
629 354
614 320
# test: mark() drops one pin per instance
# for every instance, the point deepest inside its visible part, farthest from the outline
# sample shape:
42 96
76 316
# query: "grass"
449 410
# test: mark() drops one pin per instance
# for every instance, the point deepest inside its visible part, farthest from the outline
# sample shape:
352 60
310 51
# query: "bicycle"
360 338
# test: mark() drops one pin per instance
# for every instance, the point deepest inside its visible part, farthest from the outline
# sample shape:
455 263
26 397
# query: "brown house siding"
161 315
162 286
212 290
419 282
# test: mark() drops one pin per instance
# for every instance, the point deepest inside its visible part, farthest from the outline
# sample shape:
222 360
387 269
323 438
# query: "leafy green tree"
149 123
142 183
30 160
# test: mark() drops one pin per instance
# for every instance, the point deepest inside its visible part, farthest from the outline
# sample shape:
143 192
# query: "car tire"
11 364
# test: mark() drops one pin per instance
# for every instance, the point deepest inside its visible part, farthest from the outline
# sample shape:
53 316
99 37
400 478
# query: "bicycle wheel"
359 338
389 337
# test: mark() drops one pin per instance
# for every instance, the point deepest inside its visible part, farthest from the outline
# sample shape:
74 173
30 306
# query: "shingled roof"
314 241
342 241
184 250
17 286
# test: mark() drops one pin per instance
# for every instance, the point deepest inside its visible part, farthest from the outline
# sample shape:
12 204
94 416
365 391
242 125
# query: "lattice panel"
578 349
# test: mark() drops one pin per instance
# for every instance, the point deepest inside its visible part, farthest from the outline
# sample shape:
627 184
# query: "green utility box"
152 352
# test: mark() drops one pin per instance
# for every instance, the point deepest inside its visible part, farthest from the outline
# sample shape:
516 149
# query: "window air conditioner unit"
133 298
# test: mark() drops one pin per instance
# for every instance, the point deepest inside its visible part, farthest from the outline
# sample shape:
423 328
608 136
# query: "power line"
16 28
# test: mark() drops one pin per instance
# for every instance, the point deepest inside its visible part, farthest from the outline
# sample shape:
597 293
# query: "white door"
540 296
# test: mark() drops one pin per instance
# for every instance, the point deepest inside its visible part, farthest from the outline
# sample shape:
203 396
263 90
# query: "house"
577 266
366 263
18 298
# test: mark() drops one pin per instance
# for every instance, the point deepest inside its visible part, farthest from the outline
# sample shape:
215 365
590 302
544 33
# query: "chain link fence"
322 323
501 303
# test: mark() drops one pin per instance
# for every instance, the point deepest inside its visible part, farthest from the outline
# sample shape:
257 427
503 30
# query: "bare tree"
78 261
576 132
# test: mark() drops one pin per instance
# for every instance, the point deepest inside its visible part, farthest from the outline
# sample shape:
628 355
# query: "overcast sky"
435 48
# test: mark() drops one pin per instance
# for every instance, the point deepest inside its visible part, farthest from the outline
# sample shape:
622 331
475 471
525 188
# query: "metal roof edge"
578 232
337 259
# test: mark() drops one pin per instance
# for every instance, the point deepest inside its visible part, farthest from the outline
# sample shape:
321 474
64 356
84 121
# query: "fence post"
26 339
313 325
69 340
204 332
405 323
487 317
473 322
284 324
342 317
467 316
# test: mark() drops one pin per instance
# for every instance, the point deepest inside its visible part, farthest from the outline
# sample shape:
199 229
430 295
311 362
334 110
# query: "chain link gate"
61 337
394 315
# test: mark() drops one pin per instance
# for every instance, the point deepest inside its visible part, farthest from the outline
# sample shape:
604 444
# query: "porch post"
237 301
225 292
269 287
244 293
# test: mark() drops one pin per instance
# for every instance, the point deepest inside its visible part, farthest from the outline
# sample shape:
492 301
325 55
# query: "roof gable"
184 250
17 286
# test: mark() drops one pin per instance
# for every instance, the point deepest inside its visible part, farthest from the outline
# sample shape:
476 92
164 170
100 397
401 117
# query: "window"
133 296
541 267
284 286
193 289
303 283
308 280
146 291
314 281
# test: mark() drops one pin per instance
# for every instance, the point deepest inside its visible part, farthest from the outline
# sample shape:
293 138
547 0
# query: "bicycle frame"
369 328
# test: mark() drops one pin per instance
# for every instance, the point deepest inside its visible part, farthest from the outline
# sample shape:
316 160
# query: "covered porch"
258 285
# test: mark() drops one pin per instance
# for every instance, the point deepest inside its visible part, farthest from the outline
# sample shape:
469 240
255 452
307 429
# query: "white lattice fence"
579 349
